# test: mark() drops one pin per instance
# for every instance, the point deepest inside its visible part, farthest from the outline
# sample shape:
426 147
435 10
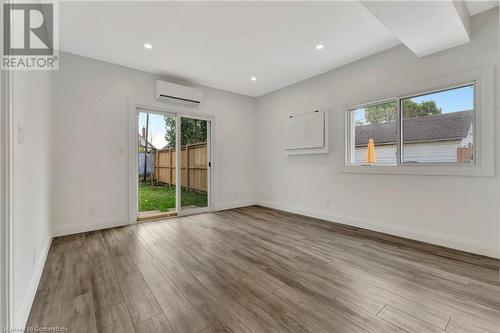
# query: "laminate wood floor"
259 270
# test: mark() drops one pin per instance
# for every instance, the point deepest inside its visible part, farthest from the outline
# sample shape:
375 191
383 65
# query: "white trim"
22 316
178 168
484 131
236 204
210 173
454 242
5 184
326 137
178 111
6 195
76 228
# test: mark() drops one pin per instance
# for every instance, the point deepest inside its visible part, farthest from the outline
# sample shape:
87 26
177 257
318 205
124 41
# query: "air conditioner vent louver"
172 92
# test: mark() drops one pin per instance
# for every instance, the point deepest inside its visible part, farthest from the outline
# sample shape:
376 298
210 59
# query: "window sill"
424 170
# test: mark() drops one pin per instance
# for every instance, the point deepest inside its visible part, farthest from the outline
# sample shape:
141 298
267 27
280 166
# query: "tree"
380 113
170 131
192 131
385 112
422 109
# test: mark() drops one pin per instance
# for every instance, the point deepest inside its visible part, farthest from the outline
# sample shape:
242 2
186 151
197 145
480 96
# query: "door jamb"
160 108
210 145
6 195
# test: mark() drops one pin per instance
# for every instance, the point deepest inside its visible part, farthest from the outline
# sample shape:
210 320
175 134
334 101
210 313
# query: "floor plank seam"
381 309
447 323
257 259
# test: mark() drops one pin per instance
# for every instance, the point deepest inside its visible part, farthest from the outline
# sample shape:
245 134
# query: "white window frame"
350 133
483 129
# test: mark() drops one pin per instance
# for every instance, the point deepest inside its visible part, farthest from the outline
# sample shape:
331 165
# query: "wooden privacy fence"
194 171
464 154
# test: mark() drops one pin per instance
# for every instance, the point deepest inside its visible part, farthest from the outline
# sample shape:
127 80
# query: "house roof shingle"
447 126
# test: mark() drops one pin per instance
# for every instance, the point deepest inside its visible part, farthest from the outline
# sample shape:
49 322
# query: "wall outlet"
328 203
34 255
91 211
20 133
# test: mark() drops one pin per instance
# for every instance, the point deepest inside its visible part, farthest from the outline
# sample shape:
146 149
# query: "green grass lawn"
162 198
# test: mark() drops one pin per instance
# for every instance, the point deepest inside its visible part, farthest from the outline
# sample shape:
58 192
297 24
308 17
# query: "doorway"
173 164
195 164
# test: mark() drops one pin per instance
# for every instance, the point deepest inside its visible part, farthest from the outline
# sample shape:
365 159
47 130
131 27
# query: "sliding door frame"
173 110
178 194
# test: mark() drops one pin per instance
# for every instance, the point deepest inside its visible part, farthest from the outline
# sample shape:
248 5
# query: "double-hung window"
432 128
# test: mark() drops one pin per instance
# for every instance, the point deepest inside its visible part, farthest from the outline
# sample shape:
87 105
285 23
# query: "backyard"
162 198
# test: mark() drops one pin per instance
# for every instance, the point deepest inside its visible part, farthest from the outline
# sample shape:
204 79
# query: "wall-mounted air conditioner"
168 91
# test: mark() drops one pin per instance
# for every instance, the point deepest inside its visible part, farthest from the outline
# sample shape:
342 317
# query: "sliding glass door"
156 157
172 164
194 164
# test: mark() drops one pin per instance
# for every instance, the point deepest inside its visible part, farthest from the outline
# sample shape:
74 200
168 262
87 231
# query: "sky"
156 133
460 99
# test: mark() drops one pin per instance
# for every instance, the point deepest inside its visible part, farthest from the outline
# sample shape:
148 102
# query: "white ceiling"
425 27
478 6
223 44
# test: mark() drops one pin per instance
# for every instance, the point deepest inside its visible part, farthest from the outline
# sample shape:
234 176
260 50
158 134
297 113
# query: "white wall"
90 142
4 144
461 212
31 185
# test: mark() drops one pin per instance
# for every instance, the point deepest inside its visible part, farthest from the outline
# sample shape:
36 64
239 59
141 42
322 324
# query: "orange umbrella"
370 152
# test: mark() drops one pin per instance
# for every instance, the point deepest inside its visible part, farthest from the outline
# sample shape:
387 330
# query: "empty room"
250 166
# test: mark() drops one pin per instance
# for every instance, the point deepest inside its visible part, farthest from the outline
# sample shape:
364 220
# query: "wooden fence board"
194 167
465 154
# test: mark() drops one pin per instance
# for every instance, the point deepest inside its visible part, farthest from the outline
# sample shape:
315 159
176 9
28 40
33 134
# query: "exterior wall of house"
438 151
468 139
149 165
385 154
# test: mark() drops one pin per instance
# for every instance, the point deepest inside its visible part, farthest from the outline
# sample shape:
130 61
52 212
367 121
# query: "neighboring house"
167 146
150 157
142 144
426 139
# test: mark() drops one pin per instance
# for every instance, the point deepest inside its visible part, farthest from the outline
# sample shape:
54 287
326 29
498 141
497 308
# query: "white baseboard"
236 204
22 316
454 242
451 241
75 228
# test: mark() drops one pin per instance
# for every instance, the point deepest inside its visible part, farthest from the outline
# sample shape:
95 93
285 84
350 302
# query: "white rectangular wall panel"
305 133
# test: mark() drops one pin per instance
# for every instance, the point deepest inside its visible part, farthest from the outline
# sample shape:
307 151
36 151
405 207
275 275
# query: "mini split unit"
171 92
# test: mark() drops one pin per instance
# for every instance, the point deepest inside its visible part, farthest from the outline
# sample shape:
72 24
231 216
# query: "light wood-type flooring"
256 270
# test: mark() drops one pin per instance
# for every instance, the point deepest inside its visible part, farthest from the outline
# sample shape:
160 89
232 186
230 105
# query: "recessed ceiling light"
148 46
320 47
253 78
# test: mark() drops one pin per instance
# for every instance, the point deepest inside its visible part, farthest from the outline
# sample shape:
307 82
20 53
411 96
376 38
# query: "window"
374 134
436 127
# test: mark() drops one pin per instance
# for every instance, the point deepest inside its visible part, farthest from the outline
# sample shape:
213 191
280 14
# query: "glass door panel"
156 156
194 164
